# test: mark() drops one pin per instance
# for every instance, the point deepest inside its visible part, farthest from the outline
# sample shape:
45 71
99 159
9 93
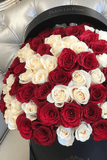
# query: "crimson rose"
46 33
2 104
7 75
100 130
24 125
60 31
71 115
99 47
48 113
91 113
87 61
44 135
44 49
104 70
41 92
15 63
74 30
25 93
59 76
97 93
34 44
68 60
88 36
20 68
14 88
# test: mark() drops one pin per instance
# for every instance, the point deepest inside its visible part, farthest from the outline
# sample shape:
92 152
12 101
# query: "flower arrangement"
56 87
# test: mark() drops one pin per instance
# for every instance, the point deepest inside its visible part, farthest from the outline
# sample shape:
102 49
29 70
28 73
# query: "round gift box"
89 150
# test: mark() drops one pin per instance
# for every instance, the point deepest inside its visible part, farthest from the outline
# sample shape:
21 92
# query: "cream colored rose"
104 110
102 59
24 53
49 62
8 99
65 136
10 80
102 34
16 107
40 77
70 40
80 94
82 78
52 39
33 63
10 119
59 94
89 28
97 76
83 132
30 109
57 48
79 47
6 89
26 77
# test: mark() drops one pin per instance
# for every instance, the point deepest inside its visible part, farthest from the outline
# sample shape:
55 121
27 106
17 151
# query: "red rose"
41 92
15 63
91 113
97 93
2 104
44 135
34 44
7 75
87 61
14 88
48 113
25 93
68 60
60 31
44 49
46 33
100 130
104 70
19 69
88 36
71 115
24 125
74 30
99 47
59 76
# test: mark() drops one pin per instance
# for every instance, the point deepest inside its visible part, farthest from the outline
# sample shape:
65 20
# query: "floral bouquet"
56 87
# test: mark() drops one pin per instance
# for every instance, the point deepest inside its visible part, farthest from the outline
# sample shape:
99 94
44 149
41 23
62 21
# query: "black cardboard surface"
89 150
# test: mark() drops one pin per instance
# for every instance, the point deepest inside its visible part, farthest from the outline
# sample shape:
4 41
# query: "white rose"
102 59
65 136
79 47
8 99
57 48
59 94
70 40
6 89
40 77
80 94
104 110
33 62
26 77
30 109
52 39
16 107
89 28
24 53
82 78
10 119
83 132
102 34
10 80
49 62
97 76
